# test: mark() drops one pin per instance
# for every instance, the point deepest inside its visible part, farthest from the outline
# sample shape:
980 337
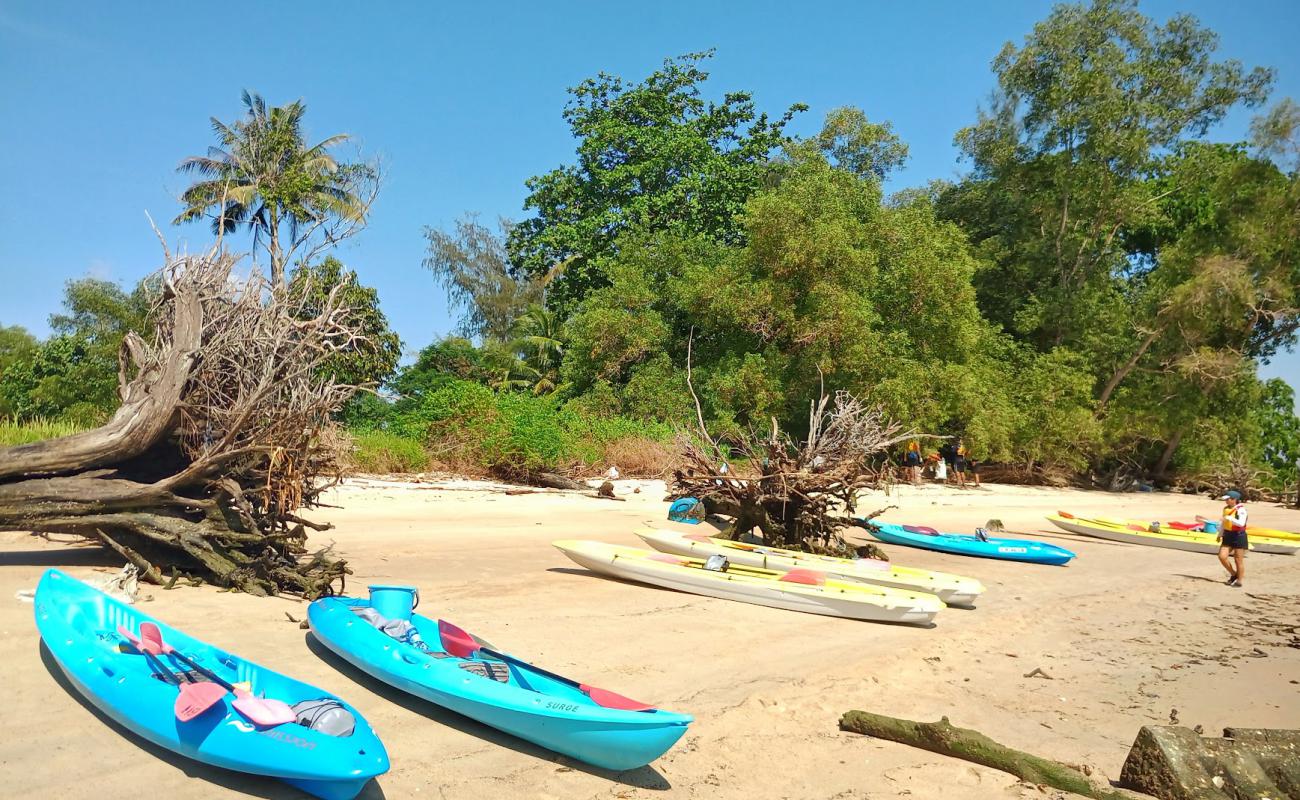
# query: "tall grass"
13 432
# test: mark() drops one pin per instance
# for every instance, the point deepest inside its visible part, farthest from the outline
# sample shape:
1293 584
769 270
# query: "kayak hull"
1024 550
757 586
530 706
78 626
951 589
1189 541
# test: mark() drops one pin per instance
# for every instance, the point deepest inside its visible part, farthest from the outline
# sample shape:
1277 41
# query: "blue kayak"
1005 549
515 697
79 626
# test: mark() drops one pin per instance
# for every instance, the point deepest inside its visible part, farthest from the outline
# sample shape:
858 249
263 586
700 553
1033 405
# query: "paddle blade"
151 635
138 644
608 699
456 641
264 711
195 698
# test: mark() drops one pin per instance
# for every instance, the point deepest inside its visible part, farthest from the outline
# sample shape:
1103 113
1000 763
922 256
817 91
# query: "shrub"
384 451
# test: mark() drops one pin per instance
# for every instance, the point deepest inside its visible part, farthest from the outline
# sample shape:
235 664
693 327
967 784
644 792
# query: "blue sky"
461 101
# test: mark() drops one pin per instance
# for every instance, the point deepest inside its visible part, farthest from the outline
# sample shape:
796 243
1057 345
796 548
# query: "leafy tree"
854 144
1084 109
15 344
372 359
652 155
1279 428
74 374
473 266
263 175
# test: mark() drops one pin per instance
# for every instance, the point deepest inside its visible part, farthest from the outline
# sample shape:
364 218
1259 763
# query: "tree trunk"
944 738
218 440
1162 466
277 260
1122 373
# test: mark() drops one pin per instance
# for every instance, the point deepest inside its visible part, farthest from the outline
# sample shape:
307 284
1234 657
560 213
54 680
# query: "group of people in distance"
952 462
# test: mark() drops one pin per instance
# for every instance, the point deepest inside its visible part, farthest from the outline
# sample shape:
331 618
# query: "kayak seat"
810 577
664 557
487 669
696 537
920 529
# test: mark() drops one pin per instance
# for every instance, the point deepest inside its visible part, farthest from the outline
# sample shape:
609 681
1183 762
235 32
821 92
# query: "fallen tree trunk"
944 738
223 433
1175 763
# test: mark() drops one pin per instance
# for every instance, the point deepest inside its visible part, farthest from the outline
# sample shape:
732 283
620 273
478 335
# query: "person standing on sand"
1232 537
913 461
959 457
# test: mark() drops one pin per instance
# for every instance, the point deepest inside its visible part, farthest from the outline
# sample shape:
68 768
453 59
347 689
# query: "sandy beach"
1129 635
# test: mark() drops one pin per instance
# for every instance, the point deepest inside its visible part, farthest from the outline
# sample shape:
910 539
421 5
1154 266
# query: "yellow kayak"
1137 533
951 589
804 590
1277 535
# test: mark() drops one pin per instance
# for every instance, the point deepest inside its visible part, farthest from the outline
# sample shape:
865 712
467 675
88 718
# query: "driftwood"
803 494
223 433
944 738
1178 764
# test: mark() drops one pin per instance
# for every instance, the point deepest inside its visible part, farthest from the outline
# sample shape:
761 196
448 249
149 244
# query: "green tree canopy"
369 361
651 155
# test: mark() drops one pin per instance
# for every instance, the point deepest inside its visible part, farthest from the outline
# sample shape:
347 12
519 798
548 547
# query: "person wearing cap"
1232 537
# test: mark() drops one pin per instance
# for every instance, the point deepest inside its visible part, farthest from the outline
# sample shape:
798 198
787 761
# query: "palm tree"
539 341
263 175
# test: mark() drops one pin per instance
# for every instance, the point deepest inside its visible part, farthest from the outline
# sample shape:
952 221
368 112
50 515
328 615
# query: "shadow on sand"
252 785
646 777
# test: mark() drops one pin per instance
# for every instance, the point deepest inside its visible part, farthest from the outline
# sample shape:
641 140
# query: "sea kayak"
518 699
1134 533
951 589
79 625
1005 549
804 590
1262 540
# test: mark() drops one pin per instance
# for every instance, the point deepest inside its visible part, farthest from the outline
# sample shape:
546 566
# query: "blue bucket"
394 602
1210 527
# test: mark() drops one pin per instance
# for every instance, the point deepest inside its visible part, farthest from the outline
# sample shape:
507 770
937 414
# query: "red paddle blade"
456 641
608 699
195 698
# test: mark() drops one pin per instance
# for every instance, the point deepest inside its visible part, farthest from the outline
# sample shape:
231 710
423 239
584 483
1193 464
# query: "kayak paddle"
261 710
194 698
463 645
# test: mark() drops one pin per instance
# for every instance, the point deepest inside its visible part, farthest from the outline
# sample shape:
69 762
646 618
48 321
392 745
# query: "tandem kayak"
951 589
1173 539
1261 540
79 625
1025 550
516 698
806 590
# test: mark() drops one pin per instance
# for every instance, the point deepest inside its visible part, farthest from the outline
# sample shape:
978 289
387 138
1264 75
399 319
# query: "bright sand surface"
1127 633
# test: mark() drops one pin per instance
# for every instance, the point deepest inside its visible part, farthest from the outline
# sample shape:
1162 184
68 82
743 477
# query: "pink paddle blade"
195 698
260 711
263 711
456 641
608 699
143 647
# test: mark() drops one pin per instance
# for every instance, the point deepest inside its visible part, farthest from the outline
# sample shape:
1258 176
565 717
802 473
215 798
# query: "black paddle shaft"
202 670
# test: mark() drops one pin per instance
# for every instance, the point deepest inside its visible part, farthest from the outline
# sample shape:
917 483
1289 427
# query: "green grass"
383 452
13 432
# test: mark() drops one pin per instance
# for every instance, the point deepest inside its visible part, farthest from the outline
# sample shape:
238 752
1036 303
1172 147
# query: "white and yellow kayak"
951 589
1134 533
1265 540
804 590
